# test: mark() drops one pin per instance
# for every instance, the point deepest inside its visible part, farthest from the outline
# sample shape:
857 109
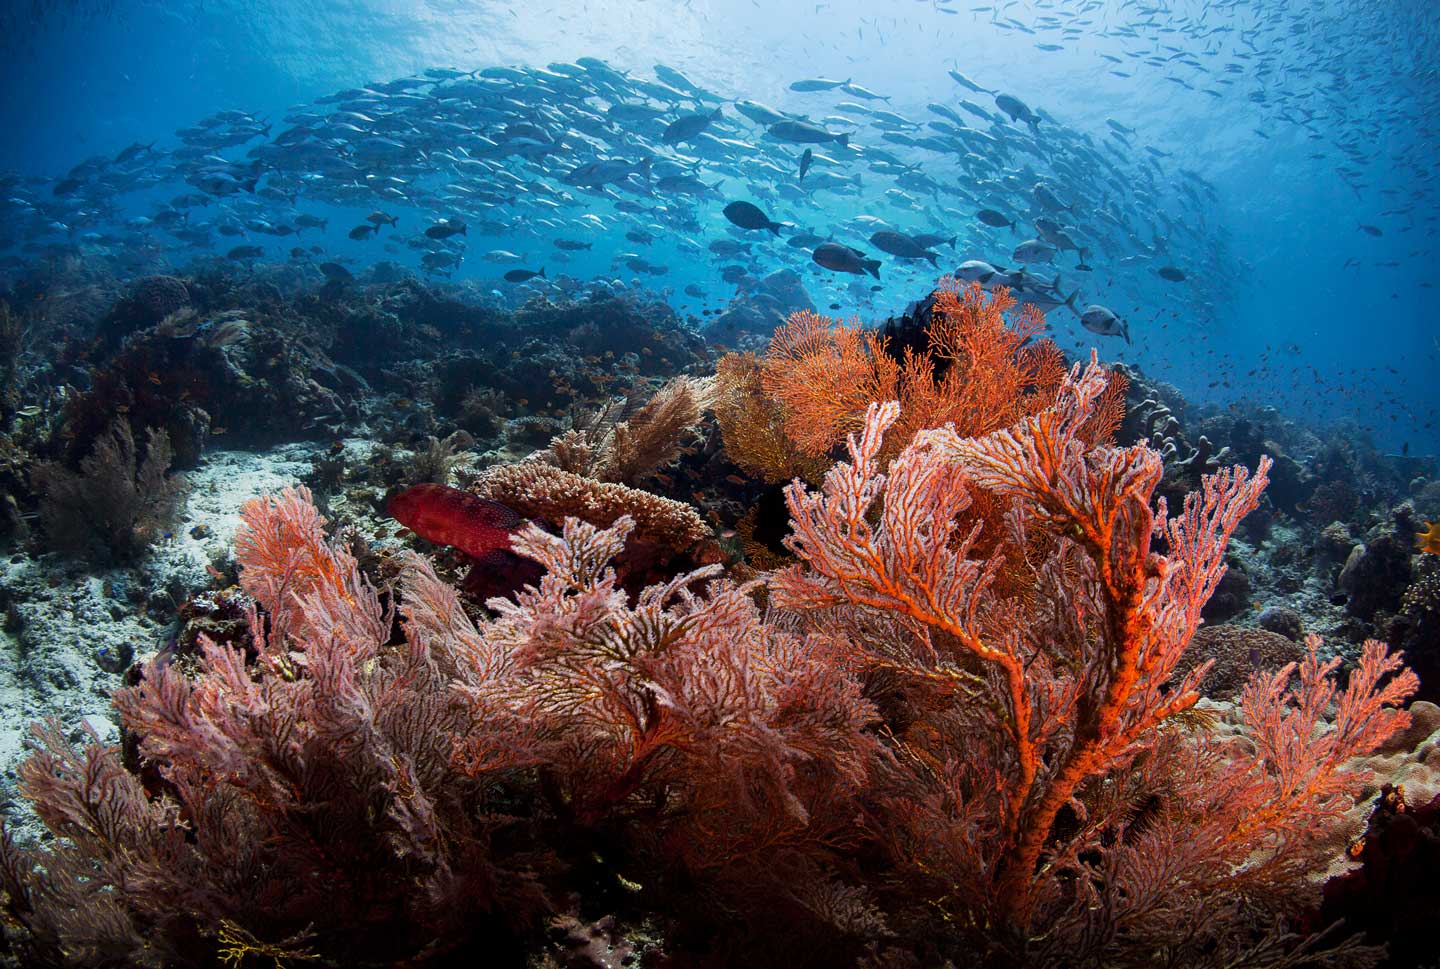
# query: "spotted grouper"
477 527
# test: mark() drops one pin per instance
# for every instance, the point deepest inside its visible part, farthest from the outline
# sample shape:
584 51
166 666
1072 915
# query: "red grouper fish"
478 527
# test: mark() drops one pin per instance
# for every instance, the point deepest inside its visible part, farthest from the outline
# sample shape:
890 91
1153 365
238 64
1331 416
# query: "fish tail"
463 232
774 227
872 266
1070 302
843 140
542 273
934 259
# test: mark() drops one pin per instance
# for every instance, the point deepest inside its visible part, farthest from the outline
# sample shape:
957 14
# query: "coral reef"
967 703
1236 653
889 751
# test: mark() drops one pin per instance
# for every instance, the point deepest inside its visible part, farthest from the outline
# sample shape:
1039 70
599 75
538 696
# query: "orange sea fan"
990 373
978 371
824 374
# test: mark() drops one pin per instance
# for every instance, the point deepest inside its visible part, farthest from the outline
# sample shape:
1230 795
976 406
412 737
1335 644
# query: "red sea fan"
1044 778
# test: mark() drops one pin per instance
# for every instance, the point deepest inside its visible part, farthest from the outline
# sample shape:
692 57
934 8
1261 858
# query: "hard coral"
1392 897
1235 654
150 300
668 533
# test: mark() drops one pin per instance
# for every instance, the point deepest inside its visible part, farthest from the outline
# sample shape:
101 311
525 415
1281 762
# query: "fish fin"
951 243
1070 302
843 140
934 259
872 266
1125 329
463 232
542 272
774 227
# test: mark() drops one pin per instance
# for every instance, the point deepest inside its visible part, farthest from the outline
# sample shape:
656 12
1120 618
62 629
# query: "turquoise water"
1297 123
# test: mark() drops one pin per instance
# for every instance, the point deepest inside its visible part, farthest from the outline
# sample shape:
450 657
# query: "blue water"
1308 120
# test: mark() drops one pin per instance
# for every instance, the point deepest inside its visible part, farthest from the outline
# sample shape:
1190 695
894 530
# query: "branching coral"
752 425
346 795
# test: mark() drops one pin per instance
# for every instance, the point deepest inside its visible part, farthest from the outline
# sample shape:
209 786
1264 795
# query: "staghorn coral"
119 501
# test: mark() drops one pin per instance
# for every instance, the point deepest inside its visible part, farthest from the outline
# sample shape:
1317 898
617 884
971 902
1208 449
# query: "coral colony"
864 647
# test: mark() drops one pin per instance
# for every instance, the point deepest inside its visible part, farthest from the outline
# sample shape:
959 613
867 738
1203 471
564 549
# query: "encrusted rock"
1282 620
1375 576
